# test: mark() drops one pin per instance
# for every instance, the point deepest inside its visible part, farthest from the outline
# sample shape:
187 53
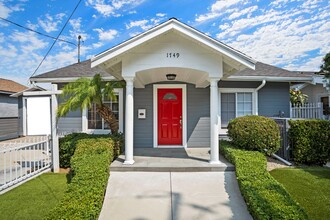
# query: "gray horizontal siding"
273 98
8 106
143 128
67 125
200 137
72 122
198 113
8 128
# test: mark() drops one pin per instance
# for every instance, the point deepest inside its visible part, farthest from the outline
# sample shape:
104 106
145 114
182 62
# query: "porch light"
170 76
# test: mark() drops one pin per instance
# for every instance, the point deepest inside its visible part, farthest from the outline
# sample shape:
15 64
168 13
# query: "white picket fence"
23 159
308 110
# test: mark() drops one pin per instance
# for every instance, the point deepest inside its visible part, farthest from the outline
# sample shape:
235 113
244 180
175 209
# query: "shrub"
310 141
255 133
67 145
90 166
264 196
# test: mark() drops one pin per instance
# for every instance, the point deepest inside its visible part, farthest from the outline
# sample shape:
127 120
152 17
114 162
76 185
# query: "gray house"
9 108
182 89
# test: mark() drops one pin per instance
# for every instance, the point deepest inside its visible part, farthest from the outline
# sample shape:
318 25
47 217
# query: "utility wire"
29 29
56 39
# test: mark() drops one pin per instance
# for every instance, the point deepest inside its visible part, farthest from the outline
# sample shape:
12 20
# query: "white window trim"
184 113
240 90
105 131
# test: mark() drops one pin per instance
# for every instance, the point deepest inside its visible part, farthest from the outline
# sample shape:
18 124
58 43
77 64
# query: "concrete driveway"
173 196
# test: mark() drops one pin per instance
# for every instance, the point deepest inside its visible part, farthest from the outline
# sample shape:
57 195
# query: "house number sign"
172 55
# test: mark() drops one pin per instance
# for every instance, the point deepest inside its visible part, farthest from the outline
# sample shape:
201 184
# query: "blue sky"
292 34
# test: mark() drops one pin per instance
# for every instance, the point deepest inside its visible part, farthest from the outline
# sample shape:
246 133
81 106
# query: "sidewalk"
173 196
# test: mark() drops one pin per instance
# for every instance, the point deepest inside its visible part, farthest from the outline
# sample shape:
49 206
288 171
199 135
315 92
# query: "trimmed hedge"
90 166
264 196
310 141
254 132
67 145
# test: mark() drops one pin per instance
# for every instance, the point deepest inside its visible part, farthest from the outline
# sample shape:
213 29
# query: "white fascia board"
68 79
42 93
31 89
181 27
269 78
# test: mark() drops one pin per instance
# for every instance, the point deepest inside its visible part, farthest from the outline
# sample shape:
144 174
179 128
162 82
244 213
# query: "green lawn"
34 199
310 187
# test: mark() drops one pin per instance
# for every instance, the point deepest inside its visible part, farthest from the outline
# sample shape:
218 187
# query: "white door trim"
184 113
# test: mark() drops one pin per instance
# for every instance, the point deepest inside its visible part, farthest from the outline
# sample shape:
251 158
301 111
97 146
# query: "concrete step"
171 160
132 168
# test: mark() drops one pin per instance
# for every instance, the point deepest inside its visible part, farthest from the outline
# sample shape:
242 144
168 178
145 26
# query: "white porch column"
129 122
214 121
55 148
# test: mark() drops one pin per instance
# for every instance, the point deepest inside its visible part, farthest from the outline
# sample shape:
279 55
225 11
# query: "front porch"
171 160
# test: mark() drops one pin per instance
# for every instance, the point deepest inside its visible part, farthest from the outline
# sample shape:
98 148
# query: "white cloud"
29 41
106 35
97 45
104 9
140 23
50 24
6 10
160 14
75 23
217 9
243 12
133 34
112 8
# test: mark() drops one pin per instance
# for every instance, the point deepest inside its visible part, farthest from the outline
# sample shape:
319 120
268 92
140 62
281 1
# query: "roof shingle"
10 86
82 69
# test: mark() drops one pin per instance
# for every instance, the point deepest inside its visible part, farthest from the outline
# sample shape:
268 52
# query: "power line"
56 38
29 29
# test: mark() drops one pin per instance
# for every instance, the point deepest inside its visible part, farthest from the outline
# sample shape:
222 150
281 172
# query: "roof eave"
65 80
269 78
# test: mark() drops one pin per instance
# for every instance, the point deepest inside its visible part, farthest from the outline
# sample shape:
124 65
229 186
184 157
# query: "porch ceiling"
196 77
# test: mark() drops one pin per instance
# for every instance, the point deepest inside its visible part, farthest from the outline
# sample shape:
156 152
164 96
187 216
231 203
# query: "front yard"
34 199
309 186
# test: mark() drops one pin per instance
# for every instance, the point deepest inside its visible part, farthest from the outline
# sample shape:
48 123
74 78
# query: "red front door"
169 116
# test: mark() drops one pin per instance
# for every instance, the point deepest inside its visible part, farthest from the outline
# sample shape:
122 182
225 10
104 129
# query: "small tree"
325 67
84 92
297 97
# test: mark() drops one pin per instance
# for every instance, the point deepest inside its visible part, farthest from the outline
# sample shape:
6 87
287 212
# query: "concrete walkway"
173 196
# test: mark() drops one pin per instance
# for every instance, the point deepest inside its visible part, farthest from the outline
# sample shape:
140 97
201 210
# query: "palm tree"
85 92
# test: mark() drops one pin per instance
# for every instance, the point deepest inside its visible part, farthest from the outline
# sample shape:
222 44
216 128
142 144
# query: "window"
92 121
244 103
169 96
234 104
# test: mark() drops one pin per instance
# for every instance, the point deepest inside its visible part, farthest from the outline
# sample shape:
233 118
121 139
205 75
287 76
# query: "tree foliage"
84 93
325 67
297 97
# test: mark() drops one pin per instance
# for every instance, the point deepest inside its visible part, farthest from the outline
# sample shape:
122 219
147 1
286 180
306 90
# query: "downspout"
263 83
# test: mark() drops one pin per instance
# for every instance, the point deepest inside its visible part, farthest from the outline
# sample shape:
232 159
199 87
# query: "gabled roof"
8 86
70 73
269 72
174 24
31 89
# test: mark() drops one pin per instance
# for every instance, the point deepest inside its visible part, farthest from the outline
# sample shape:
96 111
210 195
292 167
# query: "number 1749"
172 55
